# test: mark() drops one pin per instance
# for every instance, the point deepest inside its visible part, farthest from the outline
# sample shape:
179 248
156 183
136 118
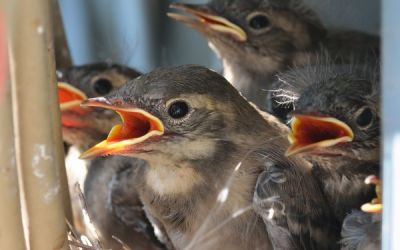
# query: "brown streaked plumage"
256 39
217 177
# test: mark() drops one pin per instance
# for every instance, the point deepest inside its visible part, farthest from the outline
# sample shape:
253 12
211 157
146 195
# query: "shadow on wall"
138 32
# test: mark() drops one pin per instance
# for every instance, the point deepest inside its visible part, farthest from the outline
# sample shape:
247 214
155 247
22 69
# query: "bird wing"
126 205
123 199
293 209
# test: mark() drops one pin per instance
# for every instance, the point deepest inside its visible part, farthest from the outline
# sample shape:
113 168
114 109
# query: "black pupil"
365 118
282 111
103 86
259 22
178 109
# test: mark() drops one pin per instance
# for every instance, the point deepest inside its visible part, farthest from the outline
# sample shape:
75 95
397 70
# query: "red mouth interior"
66 95
308 131
209 21
71 122
134 125
74 116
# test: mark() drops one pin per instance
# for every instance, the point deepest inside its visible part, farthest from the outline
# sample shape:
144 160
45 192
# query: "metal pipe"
11 230
391 125
37 130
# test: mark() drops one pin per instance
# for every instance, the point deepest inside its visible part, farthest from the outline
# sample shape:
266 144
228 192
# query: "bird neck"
253 74
181 180
252 86
172 180
342 182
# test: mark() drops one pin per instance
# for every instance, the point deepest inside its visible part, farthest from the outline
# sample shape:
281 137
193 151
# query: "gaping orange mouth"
202 18
375 206
69 97
312 132
137 126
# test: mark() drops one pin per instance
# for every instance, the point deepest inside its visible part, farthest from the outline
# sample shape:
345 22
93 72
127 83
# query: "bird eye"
102 86
282 111
258 21
364 119
178 109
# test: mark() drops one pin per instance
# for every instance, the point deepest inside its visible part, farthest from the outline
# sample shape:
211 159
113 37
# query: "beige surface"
37 131
11 231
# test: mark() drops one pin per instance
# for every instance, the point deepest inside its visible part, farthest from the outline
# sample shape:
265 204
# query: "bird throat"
172 180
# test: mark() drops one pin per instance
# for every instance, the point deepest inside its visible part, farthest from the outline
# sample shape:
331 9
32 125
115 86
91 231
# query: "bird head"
260 34
338 113
187 113
83 127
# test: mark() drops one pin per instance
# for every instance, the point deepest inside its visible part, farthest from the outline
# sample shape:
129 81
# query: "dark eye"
282 111
365 118
259 21
178 109
102 86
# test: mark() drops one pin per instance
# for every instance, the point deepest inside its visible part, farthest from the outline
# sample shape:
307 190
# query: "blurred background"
139 34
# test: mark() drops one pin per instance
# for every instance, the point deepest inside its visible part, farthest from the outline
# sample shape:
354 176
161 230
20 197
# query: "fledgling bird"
216 177
336 125
256 39
82 128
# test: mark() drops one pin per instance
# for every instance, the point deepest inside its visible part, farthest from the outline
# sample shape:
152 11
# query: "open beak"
312 133
375 206
204 20
137 126
69 97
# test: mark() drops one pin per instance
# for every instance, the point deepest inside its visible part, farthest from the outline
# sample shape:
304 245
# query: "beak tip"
289 152
96 102
90 153
172 15
372 179
372 208
84 156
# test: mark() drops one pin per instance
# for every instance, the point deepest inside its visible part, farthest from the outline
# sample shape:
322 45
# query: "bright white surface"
391 124
395 202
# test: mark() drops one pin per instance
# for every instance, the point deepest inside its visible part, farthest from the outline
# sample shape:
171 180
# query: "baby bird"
336 125
82 128
256 39
216 174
